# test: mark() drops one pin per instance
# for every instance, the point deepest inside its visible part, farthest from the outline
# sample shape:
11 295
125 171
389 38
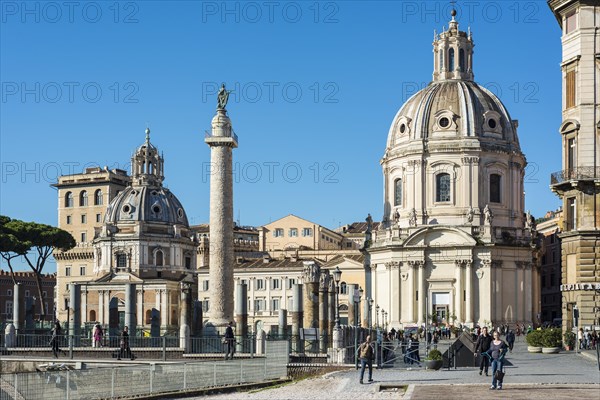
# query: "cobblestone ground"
529 376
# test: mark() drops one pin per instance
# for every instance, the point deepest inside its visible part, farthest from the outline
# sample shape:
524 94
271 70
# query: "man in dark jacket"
510 339
483 344
366 353
230 339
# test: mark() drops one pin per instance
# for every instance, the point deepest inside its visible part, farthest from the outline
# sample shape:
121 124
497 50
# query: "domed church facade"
454 241
145 240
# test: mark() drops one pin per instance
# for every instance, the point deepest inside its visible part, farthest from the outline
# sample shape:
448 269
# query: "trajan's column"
222 140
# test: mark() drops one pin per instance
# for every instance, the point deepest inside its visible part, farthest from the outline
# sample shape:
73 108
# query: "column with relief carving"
469 293
458 298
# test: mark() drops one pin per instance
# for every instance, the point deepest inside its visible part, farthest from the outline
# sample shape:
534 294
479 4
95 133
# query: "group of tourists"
97 341
587 340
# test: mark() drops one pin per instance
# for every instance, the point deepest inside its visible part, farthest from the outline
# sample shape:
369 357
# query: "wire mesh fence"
134 381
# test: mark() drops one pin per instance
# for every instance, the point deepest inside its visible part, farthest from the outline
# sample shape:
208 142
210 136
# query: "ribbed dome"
453 109
148 204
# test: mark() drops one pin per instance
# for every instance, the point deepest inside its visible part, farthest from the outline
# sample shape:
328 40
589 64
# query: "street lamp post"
377 316
370 316
337 275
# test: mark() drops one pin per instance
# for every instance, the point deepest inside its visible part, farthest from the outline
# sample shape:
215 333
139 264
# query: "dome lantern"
453 53
147 165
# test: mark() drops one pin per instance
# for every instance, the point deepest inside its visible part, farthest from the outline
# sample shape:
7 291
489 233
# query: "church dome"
146 199
148 204
454 108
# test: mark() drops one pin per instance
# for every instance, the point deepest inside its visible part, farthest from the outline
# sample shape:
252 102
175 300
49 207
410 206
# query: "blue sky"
316 86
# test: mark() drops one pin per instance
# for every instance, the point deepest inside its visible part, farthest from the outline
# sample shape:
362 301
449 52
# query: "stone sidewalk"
517 391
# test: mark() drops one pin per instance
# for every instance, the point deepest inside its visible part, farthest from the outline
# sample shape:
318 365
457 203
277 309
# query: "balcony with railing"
209 135
575 174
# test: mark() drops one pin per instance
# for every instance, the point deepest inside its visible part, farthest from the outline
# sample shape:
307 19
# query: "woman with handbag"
497 352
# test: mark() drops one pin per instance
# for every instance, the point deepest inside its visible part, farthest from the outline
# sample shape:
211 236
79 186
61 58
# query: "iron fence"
101 383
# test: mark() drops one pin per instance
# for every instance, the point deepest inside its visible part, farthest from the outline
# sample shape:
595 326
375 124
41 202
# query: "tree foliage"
34 242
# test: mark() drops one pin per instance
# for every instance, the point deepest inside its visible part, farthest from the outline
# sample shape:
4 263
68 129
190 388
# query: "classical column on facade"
311 294
395 296
241 314
101 317
222 140
297 318
469 293
421 285
527 272
458 297
324 279
519 297
486 293
84 304
164 309
497 301
410 306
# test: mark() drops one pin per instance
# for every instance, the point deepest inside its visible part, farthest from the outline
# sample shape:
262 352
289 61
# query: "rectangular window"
68 271
278 232
442 189
8 309
398 192
571 86
293 232
260 284
571 157
570 222
205 305
570 23
275 304
275 284
44 294
417 295
9 292
495 188
84 219
348 244
290 283
27 293
68 220
98 217
121 261
82 270
205 286
83 237
259 304
306 232
552 280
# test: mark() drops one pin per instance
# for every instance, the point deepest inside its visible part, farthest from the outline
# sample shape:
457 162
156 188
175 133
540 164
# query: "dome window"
402 128
180 212
154 193
444 122
451 60
127 209
398 192
156 209
442 187
461 59
492 123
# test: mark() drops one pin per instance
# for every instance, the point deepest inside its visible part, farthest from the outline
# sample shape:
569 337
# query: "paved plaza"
528 376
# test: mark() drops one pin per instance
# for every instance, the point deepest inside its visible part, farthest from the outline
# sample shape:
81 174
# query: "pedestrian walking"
366 353
97 334
510 339
482 346
55 340
496 352
229 341
124 349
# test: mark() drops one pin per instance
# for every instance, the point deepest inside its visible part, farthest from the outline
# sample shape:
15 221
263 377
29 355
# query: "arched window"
441 60
451 60
148 317
92 316
442 187
343 288
98 197
158 256
461 59
69 199
495 180
83 198
398 192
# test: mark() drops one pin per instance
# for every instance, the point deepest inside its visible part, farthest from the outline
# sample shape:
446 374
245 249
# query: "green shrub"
551 338
569 338
534 338
435 355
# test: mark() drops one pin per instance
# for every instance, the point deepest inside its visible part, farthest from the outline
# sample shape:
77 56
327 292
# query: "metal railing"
145 380
578 173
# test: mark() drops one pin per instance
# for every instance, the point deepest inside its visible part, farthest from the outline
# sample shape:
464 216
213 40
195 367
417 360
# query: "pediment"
117 277
440 236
